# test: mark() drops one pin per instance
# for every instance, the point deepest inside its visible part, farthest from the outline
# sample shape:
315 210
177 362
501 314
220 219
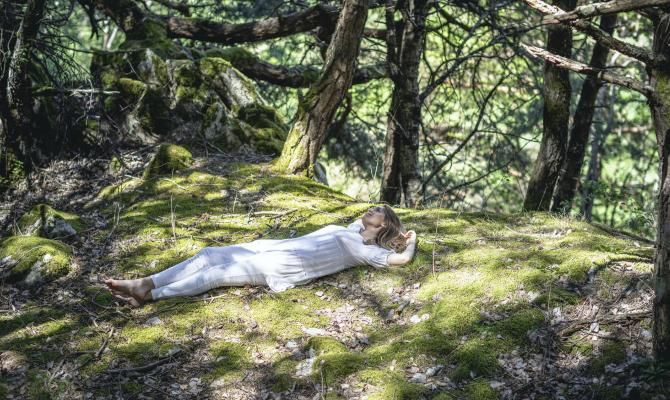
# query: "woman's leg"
240 273
205 258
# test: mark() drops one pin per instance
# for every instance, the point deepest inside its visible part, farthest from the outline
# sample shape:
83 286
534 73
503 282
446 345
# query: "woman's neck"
368 236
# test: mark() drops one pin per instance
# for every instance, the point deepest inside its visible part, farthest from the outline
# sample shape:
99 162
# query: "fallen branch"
579 324
146 367
103 346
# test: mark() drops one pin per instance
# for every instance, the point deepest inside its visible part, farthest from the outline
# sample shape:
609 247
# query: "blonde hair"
391 236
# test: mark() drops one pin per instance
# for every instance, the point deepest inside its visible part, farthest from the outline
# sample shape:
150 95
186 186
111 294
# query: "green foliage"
12 171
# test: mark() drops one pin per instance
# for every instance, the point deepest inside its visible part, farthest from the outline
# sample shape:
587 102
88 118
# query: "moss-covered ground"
478 291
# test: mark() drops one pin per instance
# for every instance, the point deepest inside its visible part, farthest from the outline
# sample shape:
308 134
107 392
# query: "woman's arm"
407 255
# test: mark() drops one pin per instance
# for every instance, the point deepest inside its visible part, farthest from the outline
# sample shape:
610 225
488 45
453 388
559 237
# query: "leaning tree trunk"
660 108
19 97
10 13
401 179
556 114
581 125
316 111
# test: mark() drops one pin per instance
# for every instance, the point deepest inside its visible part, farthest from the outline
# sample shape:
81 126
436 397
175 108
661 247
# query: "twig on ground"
144 367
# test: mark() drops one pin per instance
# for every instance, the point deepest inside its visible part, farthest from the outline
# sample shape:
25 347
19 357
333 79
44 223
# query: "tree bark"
660 108
20 135
401 180
9 20
316 111
581 125
556 114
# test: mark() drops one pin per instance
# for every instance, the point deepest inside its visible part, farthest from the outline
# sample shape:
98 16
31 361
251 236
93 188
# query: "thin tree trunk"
316 111
581 125
401 180
557 91
20 137
660 108
595 158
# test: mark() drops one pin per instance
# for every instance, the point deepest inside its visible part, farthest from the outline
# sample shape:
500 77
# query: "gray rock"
58 228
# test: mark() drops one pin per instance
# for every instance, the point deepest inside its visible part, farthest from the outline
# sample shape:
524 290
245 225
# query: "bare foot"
134 291
128 299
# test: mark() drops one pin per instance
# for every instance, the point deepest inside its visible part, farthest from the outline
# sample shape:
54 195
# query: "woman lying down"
376 239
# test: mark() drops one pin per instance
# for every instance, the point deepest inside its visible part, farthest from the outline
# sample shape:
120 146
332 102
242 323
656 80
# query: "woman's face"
373 218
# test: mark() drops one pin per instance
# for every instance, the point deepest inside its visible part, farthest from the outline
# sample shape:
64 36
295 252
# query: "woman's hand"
410 237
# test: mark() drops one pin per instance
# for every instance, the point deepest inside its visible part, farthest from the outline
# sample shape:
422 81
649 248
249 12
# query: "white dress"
279 263
326 251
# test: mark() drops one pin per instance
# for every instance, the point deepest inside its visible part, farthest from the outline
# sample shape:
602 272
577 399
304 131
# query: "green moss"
152 34
390 385
519 324
293 150
444 396
477 355
230 360
333 360
556 297
132 89
479 389
168 158
55 257
38 385
109 79
115 164
138 341
326 344
611 352
30 221
283 374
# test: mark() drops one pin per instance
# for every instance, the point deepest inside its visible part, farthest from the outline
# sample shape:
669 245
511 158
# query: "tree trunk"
581 125
401 180
595 160
660 108
316 111
556 114
20 136
9 20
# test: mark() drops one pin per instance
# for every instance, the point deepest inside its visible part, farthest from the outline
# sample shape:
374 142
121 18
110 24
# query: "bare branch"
584 69
270 28
604 8
598 34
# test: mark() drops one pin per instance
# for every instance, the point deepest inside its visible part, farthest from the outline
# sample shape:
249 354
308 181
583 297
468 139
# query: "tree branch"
270 28
584 69
596 9
598 34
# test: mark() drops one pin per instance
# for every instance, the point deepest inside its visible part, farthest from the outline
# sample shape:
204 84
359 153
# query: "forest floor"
517 306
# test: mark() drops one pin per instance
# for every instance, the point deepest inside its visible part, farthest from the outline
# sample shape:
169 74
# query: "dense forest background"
526 142
481 103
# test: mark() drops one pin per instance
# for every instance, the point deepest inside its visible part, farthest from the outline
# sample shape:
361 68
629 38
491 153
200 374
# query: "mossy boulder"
43 220
168 158
166 96
33 260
